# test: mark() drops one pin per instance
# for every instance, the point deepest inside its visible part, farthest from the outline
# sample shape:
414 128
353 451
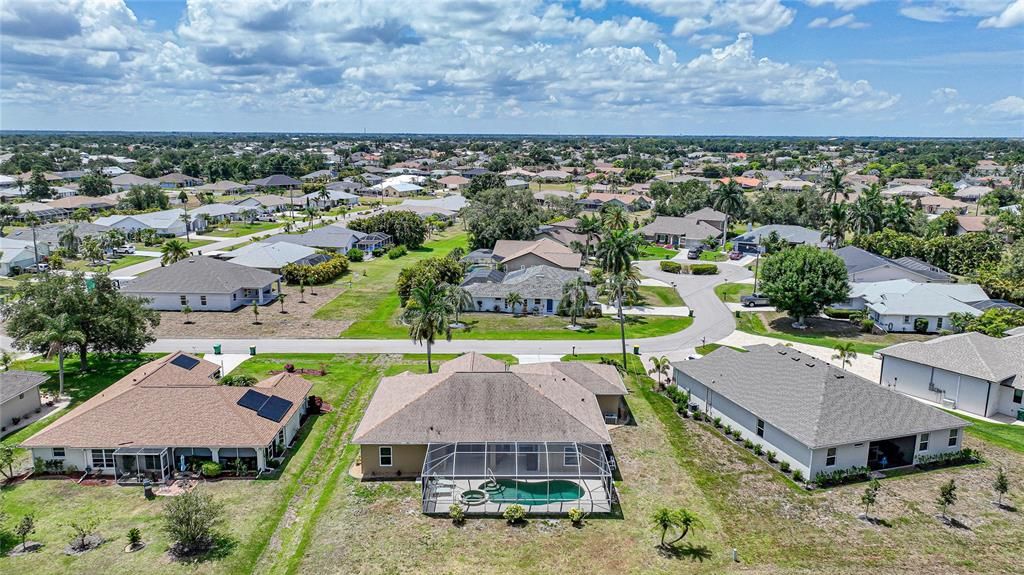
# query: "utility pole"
757 260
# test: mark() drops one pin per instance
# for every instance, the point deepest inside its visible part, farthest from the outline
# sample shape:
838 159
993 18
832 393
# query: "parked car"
694 254
735 255
266 218
35 268
125 250
754 300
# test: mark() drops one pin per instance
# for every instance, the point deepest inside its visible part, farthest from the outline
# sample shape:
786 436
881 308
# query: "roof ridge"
561 408
403 406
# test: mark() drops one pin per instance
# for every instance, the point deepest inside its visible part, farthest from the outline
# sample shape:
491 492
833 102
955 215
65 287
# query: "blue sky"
746 67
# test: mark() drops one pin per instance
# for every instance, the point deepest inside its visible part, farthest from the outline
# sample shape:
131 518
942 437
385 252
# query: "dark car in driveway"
694 254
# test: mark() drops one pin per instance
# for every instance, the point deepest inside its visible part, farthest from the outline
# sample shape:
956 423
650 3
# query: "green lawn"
1008 436
652 252
193 244
661 296
731 292
708 348
864 343
121 262
710 256
238 229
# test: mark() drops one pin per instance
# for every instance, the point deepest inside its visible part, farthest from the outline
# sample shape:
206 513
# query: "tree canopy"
501 214
803 280
405 228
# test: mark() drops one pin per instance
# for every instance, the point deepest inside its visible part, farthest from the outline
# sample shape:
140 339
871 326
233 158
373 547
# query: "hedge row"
671 267
317 274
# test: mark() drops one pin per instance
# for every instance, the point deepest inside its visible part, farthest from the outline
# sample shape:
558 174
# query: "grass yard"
708 348
238 229
192 244
710 256
821 331
661 296
653 252
121 262
731 293
1008 436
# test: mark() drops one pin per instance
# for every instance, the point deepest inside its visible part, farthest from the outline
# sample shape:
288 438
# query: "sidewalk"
675 311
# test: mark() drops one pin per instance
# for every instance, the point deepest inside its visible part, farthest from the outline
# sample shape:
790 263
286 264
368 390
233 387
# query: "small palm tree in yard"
660 366
428 315
513 299
574 299
57 334
173 250
186 311
256 313
459 299
845 353
280 298
302 290
677 520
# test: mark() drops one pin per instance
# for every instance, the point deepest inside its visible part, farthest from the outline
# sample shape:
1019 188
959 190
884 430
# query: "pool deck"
595 500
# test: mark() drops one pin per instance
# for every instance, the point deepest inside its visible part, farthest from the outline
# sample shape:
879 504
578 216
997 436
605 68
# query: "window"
58 452
536 301
570 457
102 458
830 457
938 323
21 396
234 296
906 319
760 428
184 299
953 436
386 460
923 445
1018 395
202 300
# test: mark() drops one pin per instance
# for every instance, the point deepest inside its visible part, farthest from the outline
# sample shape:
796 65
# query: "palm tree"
173 250
312 213
428 315
845 353
459 299
92 250
256 313
863 218
660 366
615 218
898 214
513 299
184 218
574 298
728 198
280 298
324 196
67 239
679 519
617 252
834 231
618 287
7 213
590 226
57 334
187 312
834 186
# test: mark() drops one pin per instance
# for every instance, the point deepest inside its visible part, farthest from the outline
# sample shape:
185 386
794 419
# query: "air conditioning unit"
948 403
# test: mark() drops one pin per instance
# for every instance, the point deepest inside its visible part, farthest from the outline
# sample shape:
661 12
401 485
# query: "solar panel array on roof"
275 408
185 362
253 400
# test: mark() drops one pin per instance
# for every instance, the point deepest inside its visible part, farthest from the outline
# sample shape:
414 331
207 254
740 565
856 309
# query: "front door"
551 305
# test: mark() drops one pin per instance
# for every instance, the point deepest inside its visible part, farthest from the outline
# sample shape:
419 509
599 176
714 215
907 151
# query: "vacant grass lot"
238 229
731 293
821 331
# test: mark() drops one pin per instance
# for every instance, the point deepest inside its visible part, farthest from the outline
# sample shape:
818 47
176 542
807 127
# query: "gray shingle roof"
332 237
200 274
792 234
14 383
858 260
686 226
544 282
972 353
276 180
817 403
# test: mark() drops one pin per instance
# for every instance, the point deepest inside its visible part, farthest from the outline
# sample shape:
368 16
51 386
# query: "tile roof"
972 353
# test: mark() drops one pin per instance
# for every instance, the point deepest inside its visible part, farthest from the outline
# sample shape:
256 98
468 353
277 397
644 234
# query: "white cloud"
592 4
843 5
946 10
844 21
754 16
1012 16
632 31
1010 107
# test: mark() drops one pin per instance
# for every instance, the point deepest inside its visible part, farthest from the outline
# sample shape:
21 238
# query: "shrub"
134 536
38 465
289 367
456 513
771 456
784 466
671 267
210 469
921 325
841 476
440 270
798 476
718 422
698 416
514 514
835 313
727 429
736 434
758 449
748 444
355 255
866 325
404 227
964 456
681 410
190 520
320 273
576 516
378 252
703 269
397 252
238 380
592 312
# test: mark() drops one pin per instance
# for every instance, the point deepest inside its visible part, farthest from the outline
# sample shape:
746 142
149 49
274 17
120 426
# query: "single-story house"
178 180
321 175
554 175
540 287
128 181
454 182
815 416
204 284
335 237
898 305
93 204
17 255
632 202
483 436
939 205
345 186
424 212
334 198
972 193
789 185
398 189
971 224
44 211
517 254
171 414
277 181
563 232
19 395
452 203
907 191
687 232
864 266
969 371
274 256
519 173
268 203
517 184
220 212
166 223
750 242
225 187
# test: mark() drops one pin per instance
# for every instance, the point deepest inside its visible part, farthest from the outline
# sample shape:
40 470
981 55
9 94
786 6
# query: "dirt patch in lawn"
297 323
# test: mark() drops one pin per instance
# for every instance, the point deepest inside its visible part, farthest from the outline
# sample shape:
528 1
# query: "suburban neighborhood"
517 317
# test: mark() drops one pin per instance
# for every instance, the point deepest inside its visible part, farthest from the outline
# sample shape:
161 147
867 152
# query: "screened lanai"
543 477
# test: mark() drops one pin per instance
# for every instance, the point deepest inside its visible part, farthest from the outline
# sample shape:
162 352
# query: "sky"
667 67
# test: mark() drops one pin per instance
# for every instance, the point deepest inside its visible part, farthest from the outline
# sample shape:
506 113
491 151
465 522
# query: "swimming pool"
532 493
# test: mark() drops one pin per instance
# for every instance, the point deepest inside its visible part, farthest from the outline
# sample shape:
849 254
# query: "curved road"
712 321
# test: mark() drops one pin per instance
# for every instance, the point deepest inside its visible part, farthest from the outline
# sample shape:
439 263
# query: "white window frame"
759 429
381 456
922 444
570 457
61 455
183 299
202 300
954 437
103 456
833 454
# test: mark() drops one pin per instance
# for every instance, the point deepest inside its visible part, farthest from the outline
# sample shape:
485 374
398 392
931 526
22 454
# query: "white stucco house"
539 286
19 395
969 371
16 255
167 223
815 416
204 284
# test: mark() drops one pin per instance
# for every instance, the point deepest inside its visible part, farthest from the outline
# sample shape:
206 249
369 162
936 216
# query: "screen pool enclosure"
543 477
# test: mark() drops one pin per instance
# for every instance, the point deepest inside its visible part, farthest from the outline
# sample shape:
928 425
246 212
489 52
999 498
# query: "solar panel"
253 400
185 362
275 408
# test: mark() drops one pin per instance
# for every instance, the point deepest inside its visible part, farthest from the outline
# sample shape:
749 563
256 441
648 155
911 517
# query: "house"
907 191
277 181
554 175
743 182
750 242
516 254
171 414
972 193
480 435
204 284
451 203
45 212
225 187
519 173
319 175
128 181
345 186
274 256
267 203
18 255
335 237
332 199
424 212
940 205
563 232
178 180
540 287
687 232
813 415
93 204
544 197
220 212
454 182
971 224
167 223
903 306
597 200
19 396
399 189
864 266
969 371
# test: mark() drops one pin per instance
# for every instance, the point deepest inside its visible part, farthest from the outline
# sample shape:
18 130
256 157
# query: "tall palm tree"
589 226
833 187
834 231
728 198
845 353
324 196
188 224
619 287
615 218
863 218
56 335
312 213
173 250
574 298
660 366
428 315
459 299
898 214
617 252
67 239
513 299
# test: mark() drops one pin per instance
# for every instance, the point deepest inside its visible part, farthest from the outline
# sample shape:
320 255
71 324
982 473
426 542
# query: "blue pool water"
533 493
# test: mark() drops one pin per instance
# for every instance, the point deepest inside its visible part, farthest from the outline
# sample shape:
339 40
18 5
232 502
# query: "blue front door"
551 304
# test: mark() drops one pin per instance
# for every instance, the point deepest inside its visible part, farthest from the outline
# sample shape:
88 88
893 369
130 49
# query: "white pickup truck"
125 250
